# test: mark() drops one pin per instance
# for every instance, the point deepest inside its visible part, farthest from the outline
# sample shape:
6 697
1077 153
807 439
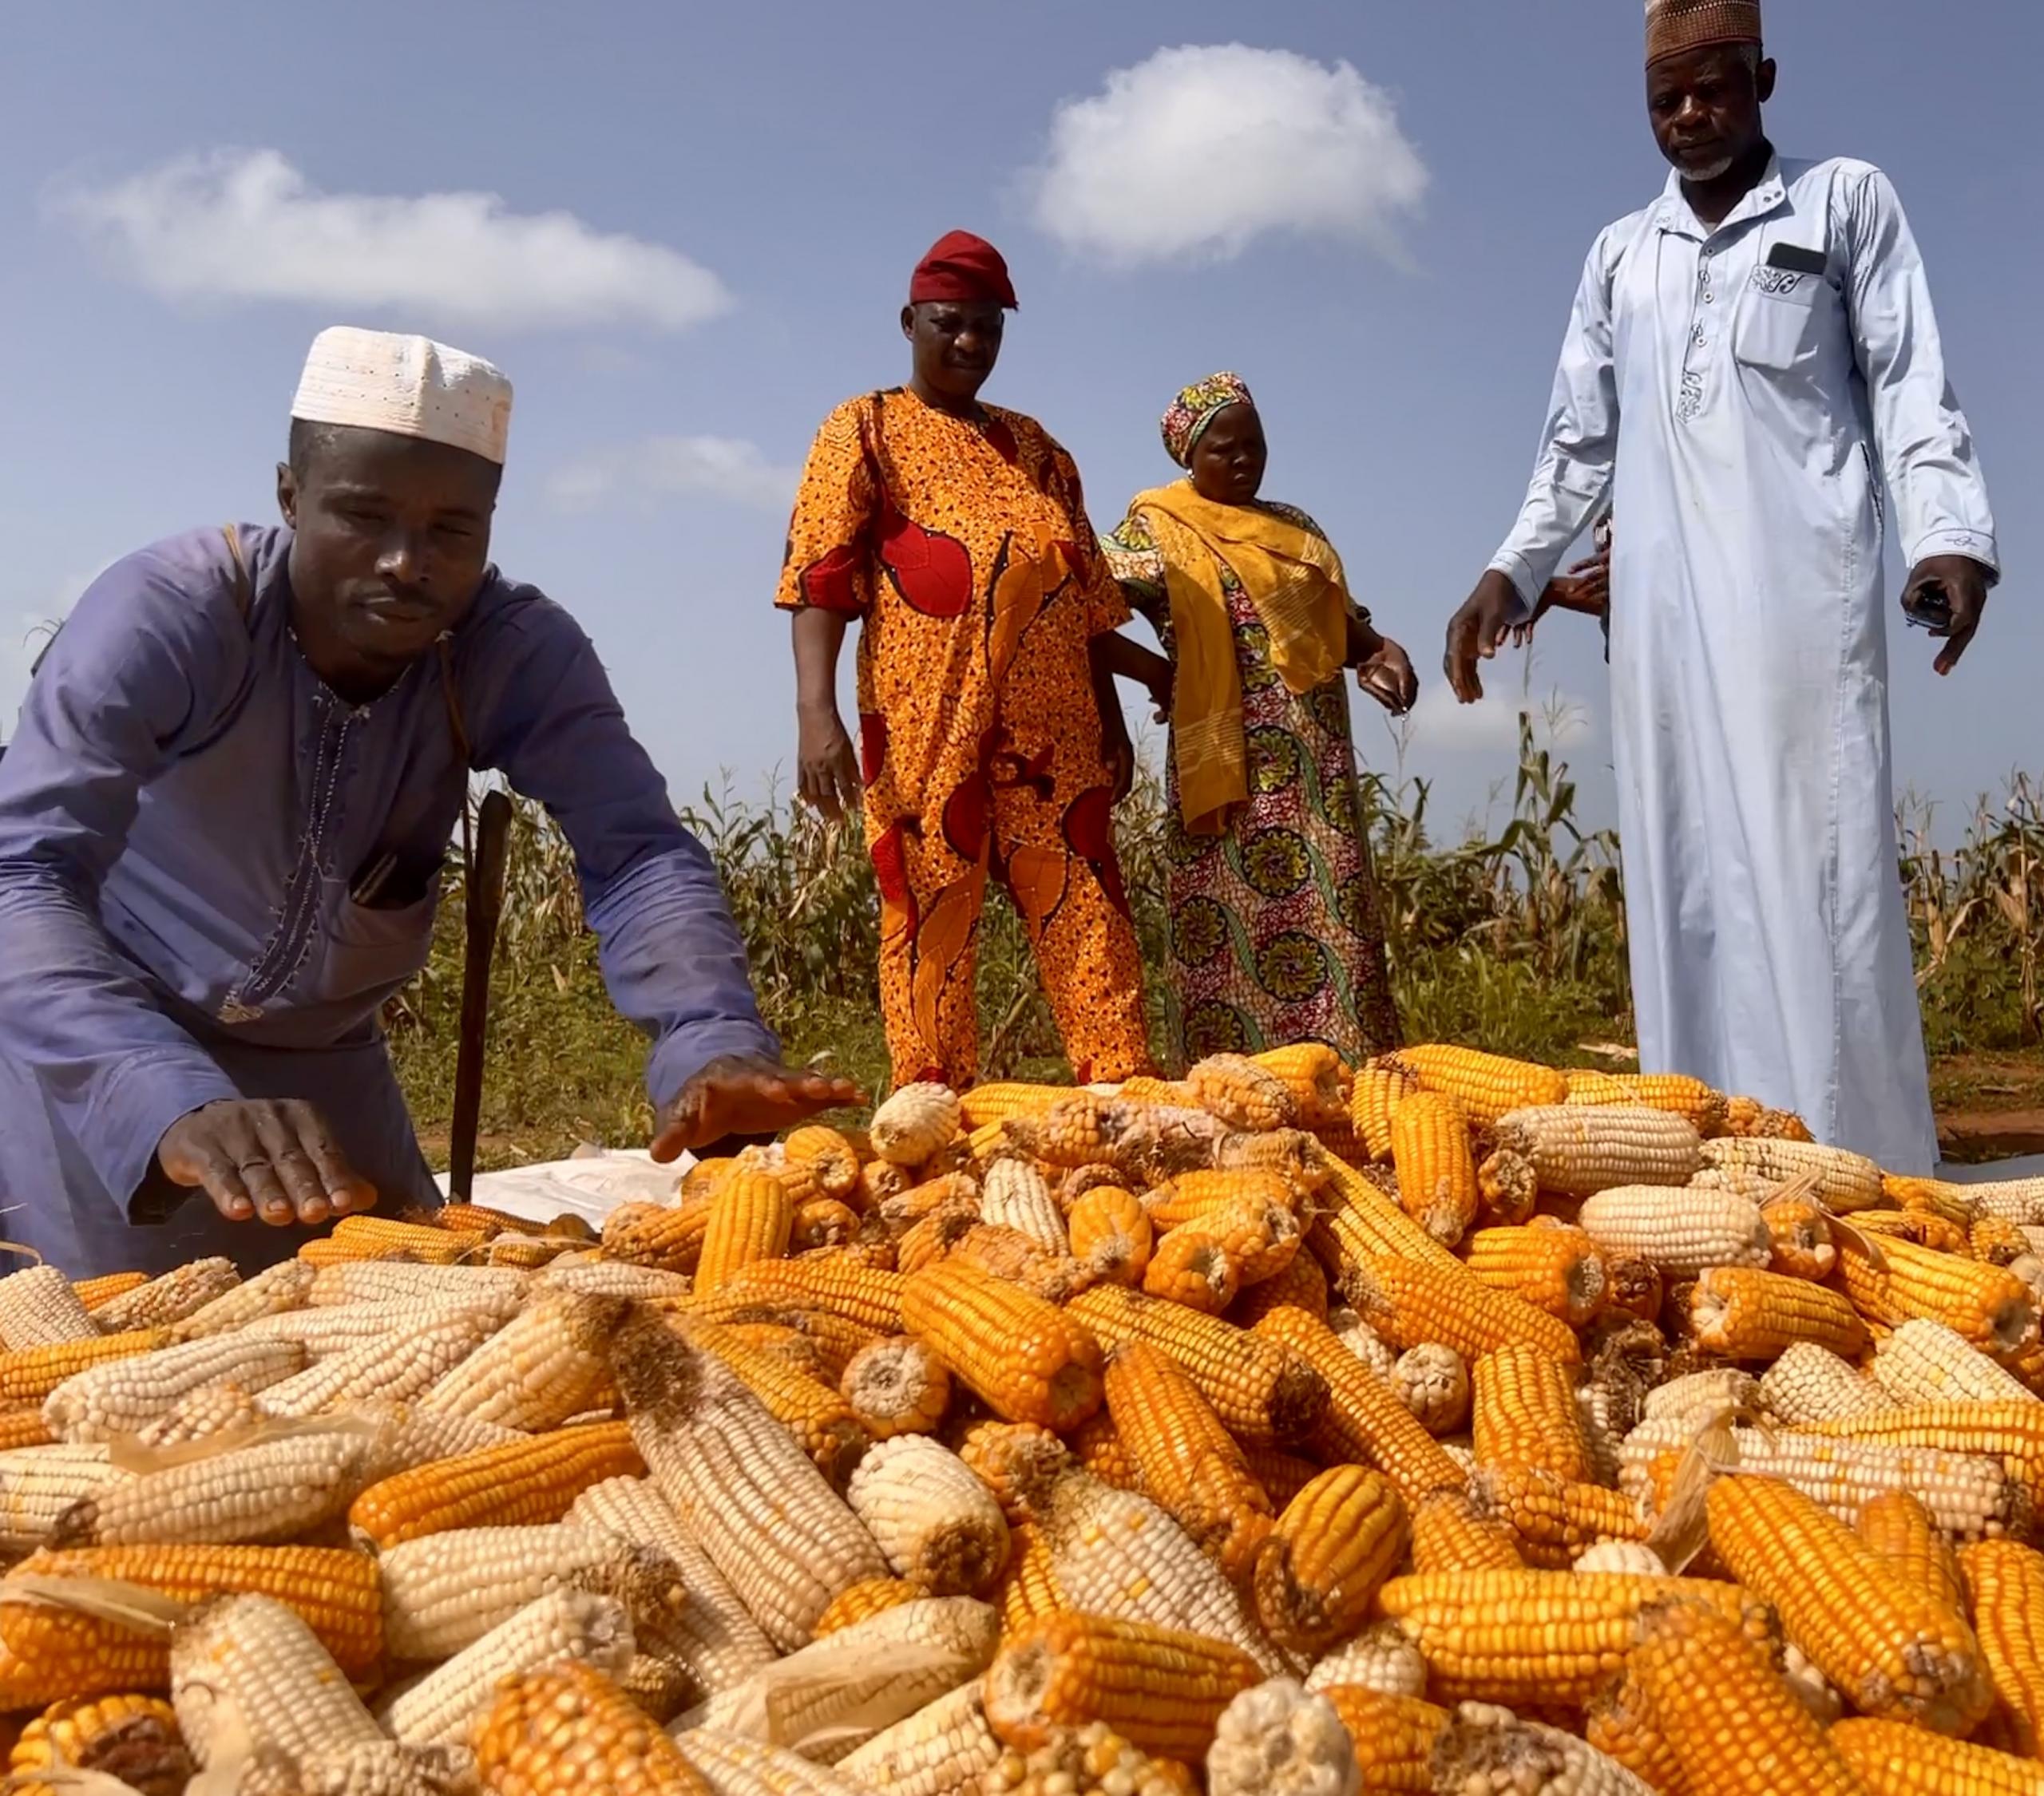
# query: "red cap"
961 266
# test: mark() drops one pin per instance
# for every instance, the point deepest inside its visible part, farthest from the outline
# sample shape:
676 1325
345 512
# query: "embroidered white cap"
380 380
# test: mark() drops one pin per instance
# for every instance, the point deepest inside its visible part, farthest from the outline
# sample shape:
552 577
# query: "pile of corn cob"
1454 1425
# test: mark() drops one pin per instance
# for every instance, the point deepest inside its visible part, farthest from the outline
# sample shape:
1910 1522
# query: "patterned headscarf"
1194 409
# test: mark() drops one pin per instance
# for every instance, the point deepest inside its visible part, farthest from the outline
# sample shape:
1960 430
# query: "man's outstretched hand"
274 1158
1475 632
744 1094
1964 582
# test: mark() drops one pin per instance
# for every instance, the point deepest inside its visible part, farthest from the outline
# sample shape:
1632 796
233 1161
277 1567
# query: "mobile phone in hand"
1927 607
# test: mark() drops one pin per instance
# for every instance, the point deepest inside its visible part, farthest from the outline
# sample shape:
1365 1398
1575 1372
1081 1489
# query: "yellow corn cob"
1184 1458
1487 1087
1029 1586
1282 1475
723 1462
39 1308
1634 1286
936 1523
396 1368
96 1293
795 1178
1620 1723
1526 1415
30 1374
1364 1421
1437 1169
24 1427
1743 1313
1162 1689
2005 1586
264 1494
1542 1638
822 1222
714 1639
123 1395
1892 1759
1241 1094
835 1283
1192 1196
377 1237
831 1159
1408 1303
1810 1383
1110 1231
1749 1118
1997 1240
1985 1305
1891 1650
69 1652
1381 1086
668 1238
1555 1520
1313 1074
541 1368
864 1600
1558 1270
1487 1748
1301 1286
1017 1461
1432 1382
1578 1150
1927 1362
1801 1237
1027 1361
813 1412
1450 1535
944 1749
915 1123
1318 1571
527 1480
1192 1268
1898 1526
1676 1092
1260 1235
132 1739
569 1728
1683 1233
1097 1445
897 1386
1393 1736
176 1297
751 1217
1357 1218
1731 1725
1844 1181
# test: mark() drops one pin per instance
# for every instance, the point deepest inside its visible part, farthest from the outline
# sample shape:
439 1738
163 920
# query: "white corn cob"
443 1593
38 1484
1017 1195
247 1676
1629 1558
936 1522
275 1291
743 1486
326 1332
944 1749
1970 1495
1702 1395
1810 1383
538 1369
39 1308
714 1637
614 1278
402 1436
837 1693
1432 1381
1596 1403
258 1495
1928 1362
122 1395
1844 1181
1486 1748
1683 1231
440 1708
1117 1554
176 1297
1382 1658
208 1414
915 1123
1577 1150
733 1765
397 1281
1280 1739
398 1368
2018 1200
1365 1342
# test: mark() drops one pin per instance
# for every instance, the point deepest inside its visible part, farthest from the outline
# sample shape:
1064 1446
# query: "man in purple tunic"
223 818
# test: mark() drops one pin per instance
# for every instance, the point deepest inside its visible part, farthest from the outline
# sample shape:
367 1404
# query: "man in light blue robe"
1751 359
223 818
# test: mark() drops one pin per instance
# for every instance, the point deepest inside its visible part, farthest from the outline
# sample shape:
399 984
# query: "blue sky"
1385 252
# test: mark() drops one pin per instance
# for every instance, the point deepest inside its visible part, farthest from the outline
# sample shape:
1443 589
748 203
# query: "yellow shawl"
1294 579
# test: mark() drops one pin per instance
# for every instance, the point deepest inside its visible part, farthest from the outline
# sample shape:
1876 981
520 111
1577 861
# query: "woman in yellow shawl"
1276 933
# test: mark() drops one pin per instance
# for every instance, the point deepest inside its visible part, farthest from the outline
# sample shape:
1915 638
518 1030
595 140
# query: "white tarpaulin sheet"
590 1184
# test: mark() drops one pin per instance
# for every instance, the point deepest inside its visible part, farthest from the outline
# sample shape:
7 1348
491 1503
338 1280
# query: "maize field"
1453 1424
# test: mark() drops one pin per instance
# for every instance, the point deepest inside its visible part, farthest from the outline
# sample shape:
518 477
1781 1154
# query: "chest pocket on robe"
369 952
1783 316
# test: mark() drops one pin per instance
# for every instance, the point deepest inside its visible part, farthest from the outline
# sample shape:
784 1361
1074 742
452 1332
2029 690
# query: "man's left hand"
745 1095
1386 676
1964 582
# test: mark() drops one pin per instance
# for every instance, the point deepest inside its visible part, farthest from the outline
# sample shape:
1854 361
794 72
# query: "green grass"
1515 942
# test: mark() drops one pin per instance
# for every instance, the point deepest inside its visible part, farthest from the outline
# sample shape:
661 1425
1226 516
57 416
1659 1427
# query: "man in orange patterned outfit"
990 738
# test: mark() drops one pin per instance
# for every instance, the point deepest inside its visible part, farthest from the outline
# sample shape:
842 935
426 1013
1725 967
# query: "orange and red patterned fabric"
963 546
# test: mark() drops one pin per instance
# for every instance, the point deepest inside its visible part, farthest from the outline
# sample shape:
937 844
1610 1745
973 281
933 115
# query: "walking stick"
484 905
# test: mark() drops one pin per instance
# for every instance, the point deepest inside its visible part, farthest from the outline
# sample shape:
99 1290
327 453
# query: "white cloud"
245 225
1439 724
726 468
1200 149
